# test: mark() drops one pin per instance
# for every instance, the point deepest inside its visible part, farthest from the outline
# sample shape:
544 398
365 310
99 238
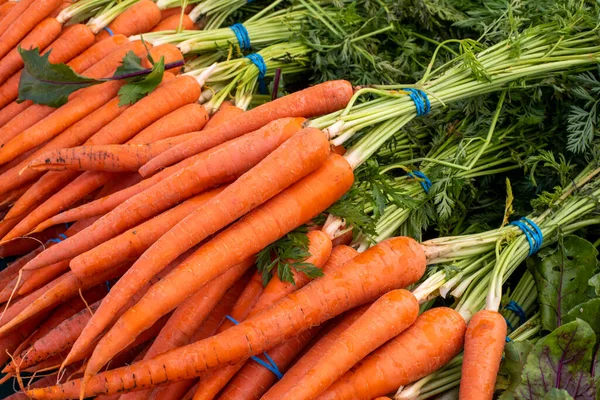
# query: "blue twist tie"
508 340
423 179
517 309
509 324
58 239
532 232
110 32
422 103
271 366
107 286
259 61
242 35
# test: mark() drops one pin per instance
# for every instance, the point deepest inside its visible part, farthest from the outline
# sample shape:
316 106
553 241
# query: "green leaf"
557 394
589 312
45 83
515 356
595 282
135 90
131 63
562 278
561 360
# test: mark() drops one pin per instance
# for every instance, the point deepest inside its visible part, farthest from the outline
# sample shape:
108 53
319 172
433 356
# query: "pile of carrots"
136 228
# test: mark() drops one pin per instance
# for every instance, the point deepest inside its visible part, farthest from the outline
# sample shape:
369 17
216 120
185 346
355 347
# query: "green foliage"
584 119
286 255
136 89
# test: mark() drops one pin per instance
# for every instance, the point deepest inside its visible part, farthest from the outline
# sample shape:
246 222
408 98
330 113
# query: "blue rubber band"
110 32
242 35
532 232
107 286
259 61
58 239
422 103
423 179
270 365
508 340
517 309
509 324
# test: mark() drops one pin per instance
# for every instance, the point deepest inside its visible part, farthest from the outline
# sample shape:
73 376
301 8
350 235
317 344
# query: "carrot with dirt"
141 17
69 44
387 317
211 169
393 263
23 23
40 36
436 336
317 100
319 250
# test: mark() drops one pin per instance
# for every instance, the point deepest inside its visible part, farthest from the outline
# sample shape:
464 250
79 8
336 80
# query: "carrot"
13 109
25 119
314 353
187 318
320 99
113 158
132 243
40 36
166 13
97 52
175 22
432 341
390 315
13 14
141 17
69 44
393 263
10 342
170 52
176 390
26 244
484 344
226 112
25 22
5 8
212 169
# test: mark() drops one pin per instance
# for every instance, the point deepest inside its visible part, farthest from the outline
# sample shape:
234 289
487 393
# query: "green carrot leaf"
137 88
45 83
131 63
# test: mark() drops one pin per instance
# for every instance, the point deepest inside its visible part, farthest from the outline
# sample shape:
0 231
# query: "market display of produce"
300 199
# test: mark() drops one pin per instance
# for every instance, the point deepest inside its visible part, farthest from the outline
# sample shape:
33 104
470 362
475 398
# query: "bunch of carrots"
150 239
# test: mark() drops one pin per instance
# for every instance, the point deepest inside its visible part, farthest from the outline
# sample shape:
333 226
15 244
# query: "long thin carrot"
13 109
113 158
69 44
176 390
390 315
141 17
216 167
307 150
320 99
97 52
26 244
432 341
25 22
11 341
175 22
40 36
484 344
393 263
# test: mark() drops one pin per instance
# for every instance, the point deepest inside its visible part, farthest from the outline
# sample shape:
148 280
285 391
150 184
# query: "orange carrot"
141 17
226 112
13 109
40 36
12 340
117 158
176 390
5 8
25 22
169 52
97 52
25 119
26 244
198 177
175 22
13 14
484 344
320 99
432 341
393 263
390 315
69 44
166 13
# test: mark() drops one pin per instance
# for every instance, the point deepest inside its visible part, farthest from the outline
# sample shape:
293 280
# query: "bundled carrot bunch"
167 243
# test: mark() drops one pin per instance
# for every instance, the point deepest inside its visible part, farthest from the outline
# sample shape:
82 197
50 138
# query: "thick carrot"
226 112
113 158
432 341
141 17
175 22
97 52
166 13
40 36
216 167
25 22
69 44
5 8
320 99
176 390
390 315
169 52
484 344
393 263
314 353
